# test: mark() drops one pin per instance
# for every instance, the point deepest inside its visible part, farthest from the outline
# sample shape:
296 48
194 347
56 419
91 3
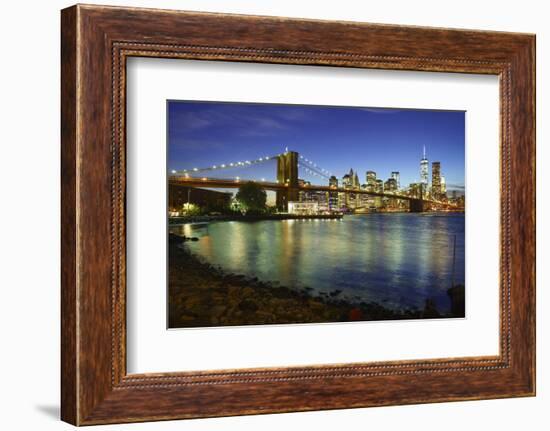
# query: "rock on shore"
202 295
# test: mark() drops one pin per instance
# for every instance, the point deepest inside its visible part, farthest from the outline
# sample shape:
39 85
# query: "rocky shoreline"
202 295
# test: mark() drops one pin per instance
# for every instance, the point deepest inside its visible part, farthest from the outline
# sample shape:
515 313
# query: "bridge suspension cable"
313 168
308 165
313 171
222 166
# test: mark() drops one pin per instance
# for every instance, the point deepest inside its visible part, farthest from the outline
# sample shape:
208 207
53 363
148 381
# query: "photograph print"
301 214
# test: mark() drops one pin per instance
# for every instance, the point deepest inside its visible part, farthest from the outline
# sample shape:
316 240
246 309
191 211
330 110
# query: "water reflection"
398 260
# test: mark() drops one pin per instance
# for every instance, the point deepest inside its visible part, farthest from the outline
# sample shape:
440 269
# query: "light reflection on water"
397 260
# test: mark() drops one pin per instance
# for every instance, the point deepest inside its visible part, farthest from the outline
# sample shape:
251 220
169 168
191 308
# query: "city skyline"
202 134
286 214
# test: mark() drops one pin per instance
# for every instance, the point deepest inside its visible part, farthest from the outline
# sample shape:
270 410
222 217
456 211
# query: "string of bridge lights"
313 168
309 166
314 172
241 164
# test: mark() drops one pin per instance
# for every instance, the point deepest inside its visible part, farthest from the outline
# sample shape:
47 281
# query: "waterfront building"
319 197
424 169
436 180
303 208
443 188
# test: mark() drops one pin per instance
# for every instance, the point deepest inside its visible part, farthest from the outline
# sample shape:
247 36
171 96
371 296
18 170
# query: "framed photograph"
252 241
264 215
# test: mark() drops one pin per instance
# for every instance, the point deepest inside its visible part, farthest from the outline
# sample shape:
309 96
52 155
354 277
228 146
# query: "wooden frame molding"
95 42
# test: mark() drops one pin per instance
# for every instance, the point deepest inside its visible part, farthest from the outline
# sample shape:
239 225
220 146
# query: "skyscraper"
424 169
379 188
351 198
346 181
436 180
353 180
356 183
390 185
371 180
344 198
443 187
333 196
395 176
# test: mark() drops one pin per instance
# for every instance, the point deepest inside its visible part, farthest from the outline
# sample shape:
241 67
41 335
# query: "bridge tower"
418 205
287 173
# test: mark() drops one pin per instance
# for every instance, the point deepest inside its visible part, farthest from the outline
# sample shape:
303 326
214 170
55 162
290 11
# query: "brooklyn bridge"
288 186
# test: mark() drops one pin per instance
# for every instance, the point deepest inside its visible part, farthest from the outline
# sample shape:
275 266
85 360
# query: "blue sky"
202 134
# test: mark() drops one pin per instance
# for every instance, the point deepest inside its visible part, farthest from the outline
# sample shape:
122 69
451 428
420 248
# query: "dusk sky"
202 134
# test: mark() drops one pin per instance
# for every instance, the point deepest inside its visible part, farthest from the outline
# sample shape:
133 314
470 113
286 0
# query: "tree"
251 197
191 209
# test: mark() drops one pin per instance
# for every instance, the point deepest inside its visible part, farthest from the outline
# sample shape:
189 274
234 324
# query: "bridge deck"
268 185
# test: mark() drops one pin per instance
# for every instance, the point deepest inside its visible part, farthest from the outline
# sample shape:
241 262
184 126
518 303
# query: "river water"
397 260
